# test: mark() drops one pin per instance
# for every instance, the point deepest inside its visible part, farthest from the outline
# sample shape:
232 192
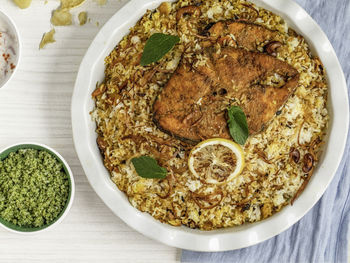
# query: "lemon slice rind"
234 147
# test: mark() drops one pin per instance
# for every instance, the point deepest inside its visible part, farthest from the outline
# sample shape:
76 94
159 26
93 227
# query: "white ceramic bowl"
13 32
25 230
92 71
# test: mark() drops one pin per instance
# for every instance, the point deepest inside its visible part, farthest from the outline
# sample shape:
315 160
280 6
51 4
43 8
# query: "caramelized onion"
262 155
246 16
102 145
170 188
180 170
188 10
294 154
252 8
301 126
307 168
308 162
99 90
271 48
198 198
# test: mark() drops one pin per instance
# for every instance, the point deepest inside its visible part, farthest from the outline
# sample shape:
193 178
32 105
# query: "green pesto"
33 188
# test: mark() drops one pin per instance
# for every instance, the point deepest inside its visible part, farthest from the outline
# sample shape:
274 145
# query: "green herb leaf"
147 167
237 124
157 46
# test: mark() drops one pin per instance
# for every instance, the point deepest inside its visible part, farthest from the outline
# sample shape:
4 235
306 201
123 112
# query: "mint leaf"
147 167
157 46
237 124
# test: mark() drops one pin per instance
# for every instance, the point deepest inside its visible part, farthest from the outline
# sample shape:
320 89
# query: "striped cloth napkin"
322 234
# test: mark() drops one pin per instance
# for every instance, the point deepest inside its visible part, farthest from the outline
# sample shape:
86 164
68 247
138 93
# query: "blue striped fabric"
322 234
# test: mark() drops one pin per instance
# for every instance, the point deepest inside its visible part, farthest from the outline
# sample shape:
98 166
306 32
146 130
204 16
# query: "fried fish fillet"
244 34
193 104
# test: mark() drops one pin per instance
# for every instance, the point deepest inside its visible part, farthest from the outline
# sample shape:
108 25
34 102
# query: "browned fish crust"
244 34
193 104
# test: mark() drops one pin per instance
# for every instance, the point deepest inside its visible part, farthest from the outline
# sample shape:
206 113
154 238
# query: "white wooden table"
36 107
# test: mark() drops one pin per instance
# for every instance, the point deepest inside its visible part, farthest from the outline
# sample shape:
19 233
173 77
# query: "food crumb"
101 2
47 38
22 3
61 17
82 18
69 4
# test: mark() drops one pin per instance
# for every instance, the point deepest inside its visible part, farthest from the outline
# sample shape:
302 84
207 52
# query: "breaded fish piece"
244 34
193 104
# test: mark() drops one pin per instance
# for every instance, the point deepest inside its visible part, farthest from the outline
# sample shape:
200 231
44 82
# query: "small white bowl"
8 23
37 146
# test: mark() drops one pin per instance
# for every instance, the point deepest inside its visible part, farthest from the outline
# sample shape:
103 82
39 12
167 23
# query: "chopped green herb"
147 167
157 46
34 188
237 124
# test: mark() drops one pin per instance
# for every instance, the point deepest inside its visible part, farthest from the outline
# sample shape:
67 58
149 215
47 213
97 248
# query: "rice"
124 111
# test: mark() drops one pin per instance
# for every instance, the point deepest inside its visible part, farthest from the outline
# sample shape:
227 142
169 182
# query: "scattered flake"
82 18
47 38
22 3
61 17
101 2
69 4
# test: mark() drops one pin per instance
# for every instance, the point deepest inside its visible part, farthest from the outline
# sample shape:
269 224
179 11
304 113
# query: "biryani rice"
124 111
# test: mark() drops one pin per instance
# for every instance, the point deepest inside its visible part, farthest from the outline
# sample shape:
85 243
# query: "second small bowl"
36 146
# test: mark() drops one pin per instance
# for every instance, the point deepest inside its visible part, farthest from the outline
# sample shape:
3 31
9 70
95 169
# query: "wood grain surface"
35 107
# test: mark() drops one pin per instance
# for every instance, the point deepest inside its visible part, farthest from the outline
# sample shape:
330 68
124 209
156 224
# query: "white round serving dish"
13 31
92 71
38 146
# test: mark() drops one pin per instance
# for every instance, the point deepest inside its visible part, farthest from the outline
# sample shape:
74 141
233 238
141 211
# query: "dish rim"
34 230
223 239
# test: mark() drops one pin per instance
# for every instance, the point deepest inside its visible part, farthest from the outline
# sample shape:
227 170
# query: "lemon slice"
216 161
